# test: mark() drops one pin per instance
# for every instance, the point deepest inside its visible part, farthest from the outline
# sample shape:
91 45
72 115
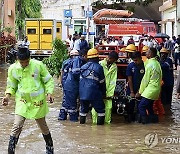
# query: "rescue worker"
64 73
150 87
167 76
130 49
30 82
71 86
110 72
143 53
92 88
135 72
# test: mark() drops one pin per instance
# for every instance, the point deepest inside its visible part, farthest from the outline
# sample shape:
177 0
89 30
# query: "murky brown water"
74 138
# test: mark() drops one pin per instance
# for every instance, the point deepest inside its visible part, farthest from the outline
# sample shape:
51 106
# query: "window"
46 31
57 30
79 26
31 30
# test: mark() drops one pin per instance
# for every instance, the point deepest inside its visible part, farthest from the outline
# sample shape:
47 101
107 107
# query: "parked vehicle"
11 55
41 33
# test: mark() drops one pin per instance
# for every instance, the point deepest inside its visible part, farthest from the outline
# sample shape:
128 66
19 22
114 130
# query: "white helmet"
74 53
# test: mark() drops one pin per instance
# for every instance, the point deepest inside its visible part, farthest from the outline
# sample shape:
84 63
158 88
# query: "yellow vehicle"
41 33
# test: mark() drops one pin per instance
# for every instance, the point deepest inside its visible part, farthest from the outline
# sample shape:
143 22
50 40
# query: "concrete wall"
168 26
168 16
9 14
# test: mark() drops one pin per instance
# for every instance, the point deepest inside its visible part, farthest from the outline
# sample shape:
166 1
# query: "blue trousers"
146 104
98 105
71 100
65 106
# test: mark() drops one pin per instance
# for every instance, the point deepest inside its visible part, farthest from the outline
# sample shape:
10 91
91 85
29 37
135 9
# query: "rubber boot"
73 116
62 115
82 119
49 144
144 120
100 120
12 145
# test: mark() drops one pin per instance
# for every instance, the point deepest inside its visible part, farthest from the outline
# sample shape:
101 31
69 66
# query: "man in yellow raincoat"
110 73
150 87
29 81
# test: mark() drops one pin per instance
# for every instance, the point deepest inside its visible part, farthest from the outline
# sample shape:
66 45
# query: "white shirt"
176 48
76 45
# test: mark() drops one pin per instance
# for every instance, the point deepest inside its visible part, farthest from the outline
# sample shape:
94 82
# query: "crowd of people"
172 45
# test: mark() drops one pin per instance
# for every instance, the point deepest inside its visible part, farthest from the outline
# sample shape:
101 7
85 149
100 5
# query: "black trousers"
166 94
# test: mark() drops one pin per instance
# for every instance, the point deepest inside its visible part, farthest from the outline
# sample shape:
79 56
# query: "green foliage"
54 62
26 9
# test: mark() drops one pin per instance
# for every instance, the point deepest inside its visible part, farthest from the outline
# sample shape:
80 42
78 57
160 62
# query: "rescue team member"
29 81
64 73
150 87
110 72
92 87
167 76
135 72
143 53
71 86
130 49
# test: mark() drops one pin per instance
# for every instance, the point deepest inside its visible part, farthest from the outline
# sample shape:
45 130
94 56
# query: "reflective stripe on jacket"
92 82
30 86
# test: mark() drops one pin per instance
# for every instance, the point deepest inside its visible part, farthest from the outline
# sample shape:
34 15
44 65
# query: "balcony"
167 4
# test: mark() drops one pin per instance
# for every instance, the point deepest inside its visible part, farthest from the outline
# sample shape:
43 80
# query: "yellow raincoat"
30 86
151 83
110 77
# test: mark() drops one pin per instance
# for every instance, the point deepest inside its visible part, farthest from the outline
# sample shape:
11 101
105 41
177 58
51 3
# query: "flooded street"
73 138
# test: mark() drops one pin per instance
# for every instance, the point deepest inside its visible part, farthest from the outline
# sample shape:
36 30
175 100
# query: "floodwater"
73 138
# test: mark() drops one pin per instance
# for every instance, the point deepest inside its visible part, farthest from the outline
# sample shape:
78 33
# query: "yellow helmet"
92 53
131 48
163 50
145 48
123 49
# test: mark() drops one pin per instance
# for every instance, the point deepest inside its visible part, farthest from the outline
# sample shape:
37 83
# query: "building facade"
77 21
170 13
7 14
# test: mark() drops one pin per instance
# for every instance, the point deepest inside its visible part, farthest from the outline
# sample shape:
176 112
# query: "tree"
26 9
54 62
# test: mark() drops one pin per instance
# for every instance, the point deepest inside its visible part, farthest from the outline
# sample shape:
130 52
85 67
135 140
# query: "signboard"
67 21
89 14
68 13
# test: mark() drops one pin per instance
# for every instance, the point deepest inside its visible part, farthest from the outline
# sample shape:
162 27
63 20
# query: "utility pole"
87 20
